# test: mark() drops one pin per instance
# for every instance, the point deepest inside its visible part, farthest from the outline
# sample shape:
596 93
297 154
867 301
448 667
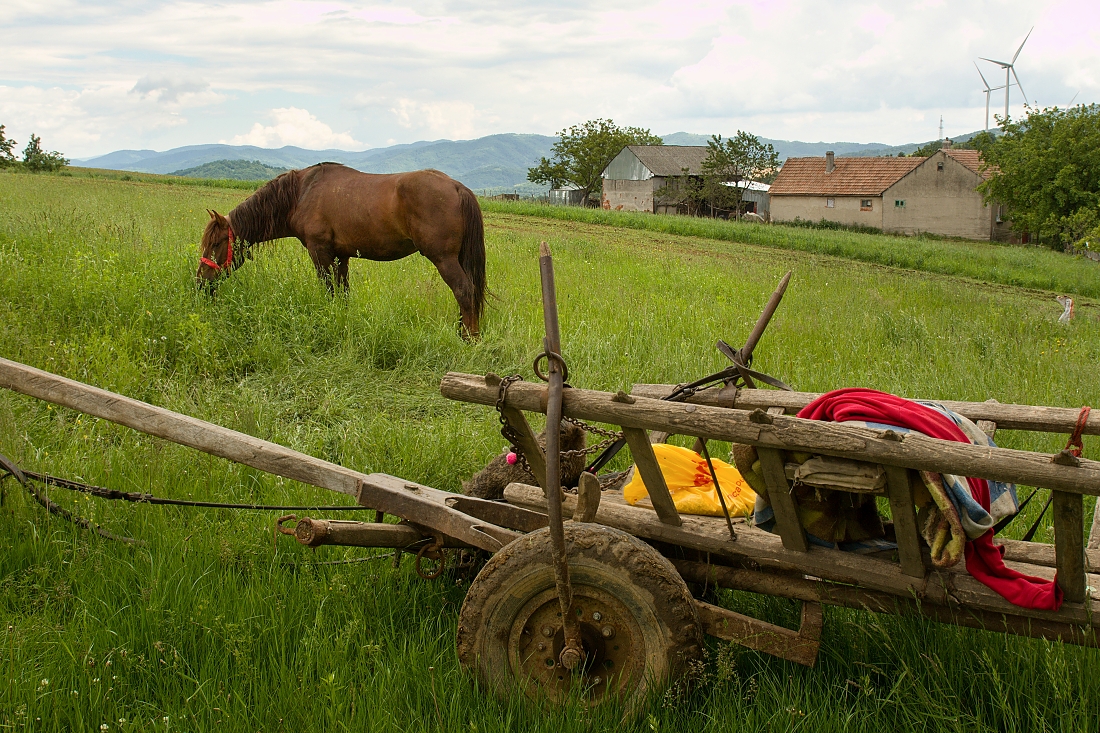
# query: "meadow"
210 624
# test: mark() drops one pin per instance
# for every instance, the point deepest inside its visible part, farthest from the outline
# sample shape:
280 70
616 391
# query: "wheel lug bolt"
607 632
542 647
596 615
547 631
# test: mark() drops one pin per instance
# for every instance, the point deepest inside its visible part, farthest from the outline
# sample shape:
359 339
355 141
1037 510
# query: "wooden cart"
601 605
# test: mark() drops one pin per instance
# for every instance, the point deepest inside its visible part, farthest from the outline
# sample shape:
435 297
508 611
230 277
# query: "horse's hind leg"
459 283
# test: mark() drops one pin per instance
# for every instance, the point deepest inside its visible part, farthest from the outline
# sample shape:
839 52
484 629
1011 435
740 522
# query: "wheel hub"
614 653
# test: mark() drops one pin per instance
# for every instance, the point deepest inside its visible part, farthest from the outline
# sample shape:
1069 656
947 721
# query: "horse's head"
215 252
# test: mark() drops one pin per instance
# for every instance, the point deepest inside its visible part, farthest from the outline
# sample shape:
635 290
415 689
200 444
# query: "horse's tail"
472 254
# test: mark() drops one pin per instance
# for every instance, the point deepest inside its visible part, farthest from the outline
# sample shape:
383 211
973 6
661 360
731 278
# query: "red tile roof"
972 159
850 177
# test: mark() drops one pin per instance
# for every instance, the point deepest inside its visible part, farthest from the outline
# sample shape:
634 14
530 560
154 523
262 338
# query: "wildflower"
104 726
44 683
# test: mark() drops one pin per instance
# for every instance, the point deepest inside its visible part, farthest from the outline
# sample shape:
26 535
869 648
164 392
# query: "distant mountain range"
489 164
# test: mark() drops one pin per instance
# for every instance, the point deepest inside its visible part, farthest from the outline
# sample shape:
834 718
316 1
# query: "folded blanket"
976 497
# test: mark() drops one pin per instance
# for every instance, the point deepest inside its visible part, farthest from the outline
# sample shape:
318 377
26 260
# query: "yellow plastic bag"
690 484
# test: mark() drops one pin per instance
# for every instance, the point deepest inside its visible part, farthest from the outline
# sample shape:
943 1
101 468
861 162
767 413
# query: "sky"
93 77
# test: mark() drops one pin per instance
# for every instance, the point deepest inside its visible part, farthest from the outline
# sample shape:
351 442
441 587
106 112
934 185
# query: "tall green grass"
211 625
1029 267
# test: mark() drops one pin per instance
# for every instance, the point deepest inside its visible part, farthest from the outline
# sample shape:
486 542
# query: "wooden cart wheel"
638 619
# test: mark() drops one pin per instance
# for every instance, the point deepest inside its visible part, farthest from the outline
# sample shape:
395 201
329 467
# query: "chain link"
509 433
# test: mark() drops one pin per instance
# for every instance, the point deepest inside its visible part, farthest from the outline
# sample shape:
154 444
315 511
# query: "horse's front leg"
455 277
325 263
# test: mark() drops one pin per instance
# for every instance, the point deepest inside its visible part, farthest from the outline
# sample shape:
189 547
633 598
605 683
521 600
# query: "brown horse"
338 213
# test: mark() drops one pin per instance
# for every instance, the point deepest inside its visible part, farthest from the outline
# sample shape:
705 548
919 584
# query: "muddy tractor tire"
638 621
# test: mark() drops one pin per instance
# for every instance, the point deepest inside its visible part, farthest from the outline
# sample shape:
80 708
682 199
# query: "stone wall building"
937 194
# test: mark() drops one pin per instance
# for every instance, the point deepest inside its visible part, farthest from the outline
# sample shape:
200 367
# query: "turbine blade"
1021 86
1002 64
1021 48
982 76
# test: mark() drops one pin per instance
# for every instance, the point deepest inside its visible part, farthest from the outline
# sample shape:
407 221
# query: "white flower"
104 726
44 683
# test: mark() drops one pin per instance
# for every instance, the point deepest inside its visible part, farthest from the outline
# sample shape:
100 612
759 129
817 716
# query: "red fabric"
984 560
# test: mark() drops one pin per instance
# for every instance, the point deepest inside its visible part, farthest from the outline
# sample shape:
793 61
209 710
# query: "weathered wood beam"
709 534
1069 530
796 646
905 521
876 446
1006 416
641 450
819 591
245 449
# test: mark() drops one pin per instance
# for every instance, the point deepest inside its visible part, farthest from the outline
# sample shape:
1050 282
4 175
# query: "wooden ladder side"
796 646
646 461
787 523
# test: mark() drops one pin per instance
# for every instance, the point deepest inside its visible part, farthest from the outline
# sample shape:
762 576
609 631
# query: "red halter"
228 256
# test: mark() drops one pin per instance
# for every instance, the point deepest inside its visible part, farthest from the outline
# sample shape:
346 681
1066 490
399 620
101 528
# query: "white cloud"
849 69
298 127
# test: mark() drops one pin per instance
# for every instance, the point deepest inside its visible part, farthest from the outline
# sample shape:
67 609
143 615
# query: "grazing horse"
338 213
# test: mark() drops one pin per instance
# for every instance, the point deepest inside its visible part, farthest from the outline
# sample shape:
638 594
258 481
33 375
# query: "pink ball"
511 458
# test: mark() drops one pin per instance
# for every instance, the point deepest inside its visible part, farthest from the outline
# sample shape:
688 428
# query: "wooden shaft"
791 433
225 443
1006 416
807 590
318 532
765 317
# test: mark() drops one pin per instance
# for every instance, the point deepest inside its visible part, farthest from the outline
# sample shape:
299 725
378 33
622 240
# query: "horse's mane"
263 215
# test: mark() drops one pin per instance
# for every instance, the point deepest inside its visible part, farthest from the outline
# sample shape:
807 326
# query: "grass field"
1027 267
209 626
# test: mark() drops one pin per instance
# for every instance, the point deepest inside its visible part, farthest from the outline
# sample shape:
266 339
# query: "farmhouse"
936 194
639 171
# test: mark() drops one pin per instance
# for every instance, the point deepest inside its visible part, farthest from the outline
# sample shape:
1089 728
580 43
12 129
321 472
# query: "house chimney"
830 164
946 143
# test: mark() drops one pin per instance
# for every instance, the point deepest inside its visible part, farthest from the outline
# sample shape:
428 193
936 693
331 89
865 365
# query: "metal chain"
509 433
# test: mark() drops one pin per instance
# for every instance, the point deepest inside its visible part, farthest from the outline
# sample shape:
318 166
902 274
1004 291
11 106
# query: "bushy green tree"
740 158
583 151
35 159
7 159
1046 171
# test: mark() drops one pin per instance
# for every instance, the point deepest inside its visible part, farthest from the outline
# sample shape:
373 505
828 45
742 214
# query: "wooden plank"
905 521
1040 553
819 591
646 461
1069 530
427 507
784 432
1006 416
988 427
783 504
709 534
245 449
796 646
528 443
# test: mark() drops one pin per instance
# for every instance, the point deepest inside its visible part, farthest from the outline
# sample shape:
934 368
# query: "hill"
234 170
798 149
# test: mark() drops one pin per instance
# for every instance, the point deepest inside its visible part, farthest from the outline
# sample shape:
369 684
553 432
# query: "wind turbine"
988 90
1010 71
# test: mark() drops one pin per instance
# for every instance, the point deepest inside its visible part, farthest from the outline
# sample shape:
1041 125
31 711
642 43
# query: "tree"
35 159
1046 171
583 151
742 158
6 144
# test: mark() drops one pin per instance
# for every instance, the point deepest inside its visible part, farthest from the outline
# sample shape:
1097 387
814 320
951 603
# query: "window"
830 203
899 203
865 204
939 166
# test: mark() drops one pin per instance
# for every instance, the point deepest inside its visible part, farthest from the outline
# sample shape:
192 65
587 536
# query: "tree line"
34 157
